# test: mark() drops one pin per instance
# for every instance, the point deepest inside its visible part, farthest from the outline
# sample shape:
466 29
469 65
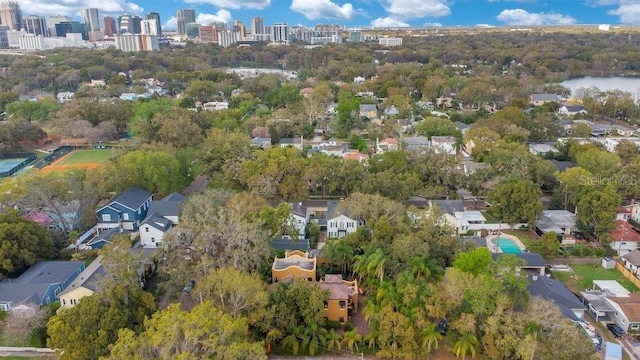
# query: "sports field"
80 159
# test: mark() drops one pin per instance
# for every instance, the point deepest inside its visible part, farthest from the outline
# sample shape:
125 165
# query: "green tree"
597 211
347 104
283 96
475 262
436 126
430 338
30 111
299 303
547 245
7 97
515 200
23 243
466 345
205 332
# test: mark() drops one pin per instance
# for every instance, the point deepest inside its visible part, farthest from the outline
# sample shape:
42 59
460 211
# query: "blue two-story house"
126 210
40 285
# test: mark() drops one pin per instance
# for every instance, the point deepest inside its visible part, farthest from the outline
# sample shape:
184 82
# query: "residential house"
624 213
470 166
541 99
627 311
126 210
306 92
359 80
294 142
331 109
557 293
339 224
355 155
85 284
631 261
542 149
295 264
65 216
388 144
562 222
634 208
462 127
444 144
298 219
611 143
569 110
40 285
562 165
624 238
129 96
104 238
286 243
533 263
261 142
415 142
215 105
457 217
343 298
162 216
368 111
391 111
597 300
65 96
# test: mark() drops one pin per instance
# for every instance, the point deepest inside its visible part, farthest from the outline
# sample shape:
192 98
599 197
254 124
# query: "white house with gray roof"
162 216
339 224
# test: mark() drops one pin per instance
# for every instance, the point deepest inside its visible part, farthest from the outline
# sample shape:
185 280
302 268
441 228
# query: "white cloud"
629 14
432 24
72 7
413 9
388 22
234 4
171 24
323 9
221 16
523 17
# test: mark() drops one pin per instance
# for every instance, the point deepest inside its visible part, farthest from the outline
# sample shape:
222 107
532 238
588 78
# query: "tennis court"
8 164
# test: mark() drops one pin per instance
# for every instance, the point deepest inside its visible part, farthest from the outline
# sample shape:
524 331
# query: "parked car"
442 326
615 330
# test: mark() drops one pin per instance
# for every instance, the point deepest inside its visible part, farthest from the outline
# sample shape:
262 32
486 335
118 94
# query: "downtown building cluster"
129 32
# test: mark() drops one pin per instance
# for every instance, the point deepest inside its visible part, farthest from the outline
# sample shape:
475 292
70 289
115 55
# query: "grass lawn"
87 156
490 218
582 277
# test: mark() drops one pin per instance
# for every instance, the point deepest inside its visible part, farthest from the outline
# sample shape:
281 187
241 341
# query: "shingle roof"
89 277
633 257
562 165
166 208
174 197
48 272
555 292
158 222
132 198
290 244
545 97
449 206
629 305
298 209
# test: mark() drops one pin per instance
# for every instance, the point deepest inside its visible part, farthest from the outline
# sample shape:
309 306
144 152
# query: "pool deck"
496 249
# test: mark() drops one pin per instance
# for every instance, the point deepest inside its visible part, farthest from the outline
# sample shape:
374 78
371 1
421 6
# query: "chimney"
535 277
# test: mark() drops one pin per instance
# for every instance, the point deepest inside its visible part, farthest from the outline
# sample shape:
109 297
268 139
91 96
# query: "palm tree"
314 337
352 339
360 265
375 264
430 338
344 253
334 339
466 345
329 251
419 267
371 339
532 329
292 341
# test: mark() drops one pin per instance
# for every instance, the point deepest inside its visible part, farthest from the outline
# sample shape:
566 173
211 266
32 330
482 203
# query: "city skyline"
360 13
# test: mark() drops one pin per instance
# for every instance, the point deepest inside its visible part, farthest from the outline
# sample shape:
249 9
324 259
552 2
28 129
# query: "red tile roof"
625 232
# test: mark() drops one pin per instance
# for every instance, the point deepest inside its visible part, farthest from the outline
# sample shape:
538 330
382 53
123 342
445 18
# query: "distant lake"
628 84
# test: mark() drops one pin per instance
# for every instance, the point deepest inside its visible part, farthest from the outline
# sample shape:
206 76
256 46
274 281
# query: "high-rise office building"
156 16
192 30
91 18
149 27
64 28
4 36
35 24
257 25
208 34
238 26
281 33
110 26
131 24
11 15
137 42
56 19
184 17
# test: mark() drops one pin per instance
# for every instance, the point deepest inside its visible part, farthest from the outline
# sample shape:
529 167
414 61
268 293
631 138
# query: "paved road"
632 350
29 354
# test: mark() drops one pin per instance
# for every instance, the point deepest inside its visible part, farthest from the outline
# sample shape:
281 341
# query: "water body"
628 84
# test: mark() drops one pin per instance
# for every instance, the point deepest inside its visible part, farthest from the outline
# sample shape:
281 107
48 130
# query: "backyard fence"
628 274
28 159
55 155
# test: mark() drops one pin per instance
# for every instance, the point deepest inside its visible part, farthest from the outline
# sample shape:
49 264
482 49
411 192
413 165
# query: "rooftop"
132 198
630 306
557 293
556 220
632 257
294 260
624 232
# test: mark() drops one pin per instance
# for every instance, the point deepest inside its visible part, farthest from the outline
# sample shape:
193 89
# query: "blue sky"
354 13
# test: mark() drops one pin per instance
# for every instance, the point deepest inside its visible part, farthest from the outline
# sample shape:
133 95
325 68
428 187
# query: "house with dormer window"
126 210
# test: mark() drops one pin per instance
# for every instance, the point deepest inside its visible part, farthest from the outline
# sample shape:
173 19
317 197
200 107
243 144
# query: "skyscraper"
10 14
183 18
129 24
110 26
281 33
156 16
91 18
56 19
72 27
257 25
35 24
238 26
149 27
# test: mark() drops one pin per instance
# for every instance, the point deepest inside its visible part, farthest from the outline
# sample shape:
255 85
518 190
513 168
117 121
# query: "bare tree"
20 325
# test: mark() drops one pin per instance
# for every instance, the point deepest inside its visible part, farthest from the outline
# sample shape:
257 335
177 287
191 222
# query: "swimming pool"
507 246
